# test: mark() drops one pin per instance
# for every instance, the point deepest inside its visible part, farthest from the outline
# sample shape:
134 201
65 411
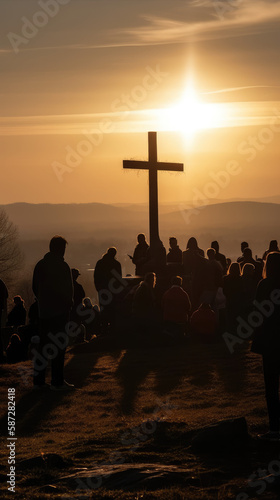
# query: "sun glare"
191 114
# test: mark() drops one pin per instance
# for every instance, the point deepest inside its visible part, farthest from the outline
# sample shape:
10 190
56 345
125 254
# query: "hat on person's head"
75 273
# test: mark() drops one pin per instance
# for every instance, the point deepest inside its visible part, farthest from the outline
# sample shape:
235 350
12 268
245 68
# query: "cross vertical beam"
153 188
153 166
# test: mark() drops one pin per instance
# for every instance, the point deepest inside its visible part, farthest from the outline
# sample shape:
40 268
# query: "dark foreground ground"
126 431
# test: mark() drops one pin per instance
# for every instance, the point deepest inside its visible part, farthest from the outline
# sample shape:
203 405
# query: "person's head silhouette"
58 245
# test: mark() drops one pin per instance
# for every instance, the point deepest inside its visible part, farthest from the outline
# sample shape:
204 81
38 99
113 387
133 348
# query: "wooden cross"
153 166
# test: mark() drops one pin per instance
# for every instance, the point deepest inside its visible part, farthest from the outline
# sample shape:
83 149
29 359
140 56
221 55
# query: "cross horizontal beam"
147 165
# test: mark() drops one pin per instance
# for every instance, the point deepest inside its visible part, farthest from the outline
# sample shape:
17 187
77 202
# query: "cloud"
254 113
248 17
196 20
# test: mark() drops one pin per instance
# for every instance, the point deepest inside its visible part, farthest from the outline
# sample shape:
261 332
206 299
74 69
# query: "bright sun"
191 114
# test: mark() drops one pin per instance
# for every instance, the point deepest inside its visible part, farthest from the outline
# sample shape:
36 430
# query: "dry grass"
187 387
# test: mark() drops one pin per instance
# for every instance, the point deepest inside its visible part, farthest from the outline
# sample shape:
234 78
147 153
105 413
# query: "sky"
83 81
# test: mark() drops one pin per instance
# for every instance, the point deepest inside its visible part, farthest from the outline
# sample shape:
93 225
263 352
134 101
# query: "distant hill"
77 220
100 225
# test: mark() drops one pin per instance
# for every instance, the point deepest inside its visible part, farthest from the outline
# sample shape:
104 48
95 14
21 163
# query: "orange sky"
80 91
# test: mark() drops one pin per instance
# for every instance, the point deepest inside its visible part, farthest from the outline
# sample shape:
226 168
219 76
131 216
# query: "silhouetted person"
15 350
244 244
190 256
176 307
17 316
156 258
219 256
107 275
78 296
228 263
175 254
139 257
91 318
194 268
212 280
53 288
273 247
204 323
247 258
267 339
143 306
232 288
249 288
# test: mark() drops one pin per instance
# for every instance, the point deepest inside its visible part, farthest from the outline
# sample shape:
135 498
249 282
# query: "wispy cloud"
237 89
236 114
249 17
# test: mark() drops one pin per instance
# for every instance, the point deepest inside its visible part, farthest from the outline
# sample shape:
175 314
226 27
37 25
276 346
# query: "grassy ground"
170 391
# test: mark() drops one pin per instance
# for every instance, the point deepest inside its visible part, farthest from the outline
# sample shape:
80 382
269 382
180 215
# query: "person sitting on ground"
79 294
204 323
26 332
175 254
176 307
273 247
139 257
219 256
17 316
90 318
15 351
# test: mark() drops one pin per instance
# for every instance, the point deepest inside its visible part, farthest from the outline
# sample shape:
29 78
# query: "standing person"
175 254
232 288
244 244
213 279
144 306
53 288
139 257
267 340
156 258
176 307
220 257
273 247
107 271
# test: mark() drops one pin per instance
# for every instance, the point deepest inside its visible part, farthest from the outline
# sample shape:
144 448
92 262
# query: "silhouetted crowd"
172 295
